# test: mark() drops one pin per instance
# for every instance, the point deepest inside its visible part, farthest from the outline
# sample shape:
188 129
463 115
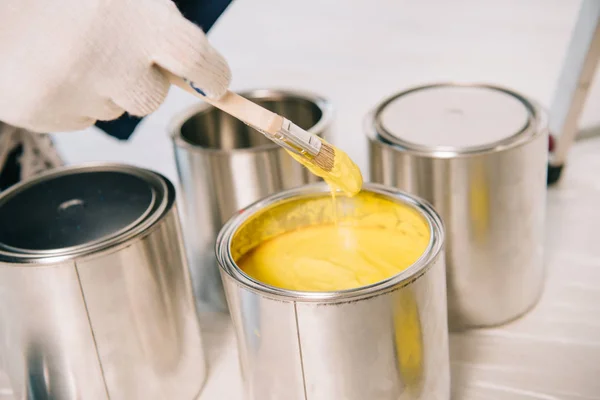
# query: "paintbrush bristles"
325 158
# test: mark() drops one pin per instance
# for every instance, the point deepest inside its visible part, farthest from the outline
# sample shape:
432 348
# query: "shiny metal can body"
224 165
388 340
478 153
95 296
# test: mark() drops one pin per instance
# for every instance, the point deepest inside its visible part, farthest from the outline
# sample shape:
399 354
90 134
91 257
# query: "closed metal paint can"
95 295
479 154
386 340
224 165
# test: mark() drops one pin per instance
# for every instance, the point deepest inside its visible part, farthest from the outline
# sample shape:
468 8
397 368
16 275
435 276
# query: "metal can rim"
318 129
418 268
164 198
537 124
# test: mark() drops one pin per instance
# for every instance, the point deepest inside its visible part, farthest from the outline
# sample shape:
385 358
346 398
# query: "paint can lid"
452 117
76 211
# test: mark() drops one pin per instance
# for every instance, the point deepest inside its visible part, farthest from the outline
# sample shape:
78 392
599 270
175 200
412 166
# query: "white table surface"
355 52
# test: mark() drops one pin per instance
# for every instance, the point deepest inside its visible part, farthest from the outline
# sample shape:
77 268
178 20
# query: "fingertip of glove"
145 96
107 111
188 54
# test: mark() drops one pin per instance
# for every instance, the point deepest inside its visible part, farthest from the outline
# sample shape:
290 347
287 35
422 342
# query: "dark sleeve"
203 13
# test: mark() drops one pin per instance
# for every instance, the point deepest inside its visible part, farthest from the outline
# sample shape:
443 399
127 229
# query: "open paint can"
225 165
385 340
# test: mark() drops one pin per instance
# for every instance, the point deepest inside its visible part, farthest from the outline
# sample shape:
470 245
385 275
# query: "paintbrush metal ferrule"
295 139
299 139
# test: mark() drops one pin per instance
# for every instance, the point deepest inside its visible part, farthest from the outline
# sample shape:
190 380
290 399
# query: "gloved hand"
65 64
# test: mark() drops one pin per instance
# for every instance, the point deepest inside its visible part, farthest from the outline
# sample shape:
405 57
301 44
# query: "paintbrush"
275 127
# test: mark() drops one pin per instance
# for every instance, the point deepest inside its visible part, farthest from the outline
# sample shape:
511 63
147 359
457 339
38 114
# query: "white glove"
65 64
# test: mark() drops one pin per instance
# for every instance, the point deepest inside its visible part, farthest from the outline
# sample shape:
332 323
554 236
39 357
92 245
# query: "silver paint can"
224 165
95 295
478 153
388 340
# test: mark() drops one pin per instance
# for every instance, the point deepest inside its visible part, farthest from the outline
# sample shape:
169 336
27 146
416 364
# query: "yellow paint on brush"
345 174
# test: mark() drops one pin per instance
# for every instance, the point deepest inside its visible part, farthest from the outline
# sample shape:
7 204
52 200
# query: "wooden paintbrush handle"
237 106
